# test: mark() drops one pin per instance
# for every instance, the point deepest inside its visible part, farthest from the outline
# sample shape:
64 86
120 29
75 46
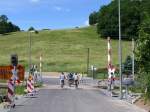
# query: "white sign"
111 72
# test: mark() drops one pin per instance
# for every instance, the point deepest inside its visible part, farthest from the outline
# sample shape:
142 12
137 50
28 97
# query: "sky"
50 14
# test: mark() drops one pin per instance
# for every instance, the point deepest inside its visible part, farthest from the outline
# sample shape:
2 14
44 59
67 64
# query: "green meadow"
62 50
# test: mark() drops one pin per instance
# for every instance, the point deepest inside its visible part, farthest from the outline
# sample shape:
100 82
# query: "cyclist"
62 79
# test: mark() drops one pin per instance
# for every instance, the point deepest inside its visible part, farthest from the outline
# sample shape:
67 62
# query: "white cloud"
58 8
62 9
86 23
35 1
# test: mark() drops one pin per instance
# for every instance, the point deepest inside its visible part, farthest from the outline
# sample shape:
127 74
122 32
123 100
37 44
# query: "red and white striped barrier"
109 54
11 88
111 69
30 86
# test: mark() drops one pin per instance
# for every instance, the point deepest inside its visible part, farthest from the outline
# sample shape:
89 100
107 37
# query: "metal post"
41 67
93 72
120 50
88 57
133 58
126 92
29 52
14 77
40 64
92 69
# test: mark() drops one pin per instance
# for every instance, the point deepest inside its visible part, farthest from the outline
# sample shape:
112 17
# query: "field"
62 50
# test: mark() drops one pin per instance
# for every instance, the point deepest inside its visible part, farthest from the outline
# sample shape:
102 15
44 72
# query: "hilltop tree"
131 18
93 18
7 26
3 18
31 29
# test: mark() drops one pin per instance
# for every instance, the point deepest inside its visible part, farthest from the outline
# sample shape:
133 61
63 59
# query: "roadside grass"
62 50
135 89
3 81
20 90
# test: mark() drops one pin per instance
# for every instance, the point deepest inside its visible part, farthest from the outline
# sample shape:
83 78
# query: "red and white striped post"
30 85
110 68
109 54
11 87
11 90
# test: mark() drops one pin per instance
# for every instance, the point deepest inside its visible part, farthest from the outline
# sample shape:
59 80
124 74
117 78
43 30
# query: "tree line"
135 23
132 12
7 26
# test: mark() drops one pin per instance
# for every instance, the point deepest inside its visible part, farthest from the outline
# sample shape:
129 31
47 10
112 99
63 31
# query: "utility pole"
120 50
29 52
133 59
88 58
30 43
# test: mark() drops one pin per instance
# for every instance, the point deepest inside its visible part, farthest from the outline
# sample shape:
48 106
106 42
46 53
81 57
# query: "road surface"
85 99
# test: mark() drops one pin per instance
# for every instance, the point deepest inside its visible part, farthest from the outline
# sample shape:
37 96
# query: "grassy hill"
62 50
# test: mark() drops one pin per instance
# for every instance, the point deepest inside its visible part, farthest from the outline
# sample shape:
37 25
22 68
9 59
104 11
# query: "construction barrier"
30 85
11 88
6 72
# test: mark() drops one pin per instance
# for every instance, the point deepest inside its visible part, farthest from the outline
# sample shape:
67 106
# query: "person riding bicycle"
62 78
70 79
70 76
76 79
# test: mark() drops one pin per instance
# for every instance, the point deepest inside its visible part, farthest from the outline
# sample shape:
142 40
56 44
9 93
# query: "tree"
131 18
36 32
7 26
31 28
93 18
127 66
3 28
143 55
3 18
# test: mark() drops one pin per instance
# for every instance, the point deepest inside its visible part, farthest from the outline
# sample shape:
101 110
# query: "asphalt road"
85 99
